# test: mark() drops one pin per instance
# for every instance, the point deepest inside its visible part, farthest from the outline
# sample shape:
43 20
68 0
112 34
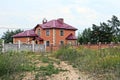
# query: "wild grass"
13 65
103 64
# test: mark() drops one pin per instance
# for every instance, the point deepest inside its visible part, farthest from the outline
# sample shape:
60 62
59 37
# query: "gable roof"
58 24
71 37
27 33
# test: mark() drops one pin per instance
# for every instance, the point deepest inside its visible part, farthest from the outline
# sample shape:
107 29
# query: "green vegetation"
14 65
7 36
105 32
10 63
103 64
0 45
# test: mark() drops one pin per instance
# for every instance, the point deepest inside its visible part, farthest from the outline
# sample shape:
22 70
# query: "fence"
23 47
101 46
42 48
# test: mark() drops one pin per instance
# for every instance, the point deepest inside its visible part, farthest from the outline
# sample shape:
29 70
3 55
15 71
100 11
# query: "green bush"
67 53
11 62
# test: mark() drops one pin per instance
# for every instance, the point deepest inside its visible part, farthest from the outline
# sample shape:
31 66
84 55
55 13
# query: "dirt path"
70 74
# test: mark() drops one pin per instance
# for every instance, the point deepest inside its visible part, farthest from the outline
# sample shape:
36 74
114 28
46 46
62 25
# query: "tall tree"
84 37
115 25
7 36
105 32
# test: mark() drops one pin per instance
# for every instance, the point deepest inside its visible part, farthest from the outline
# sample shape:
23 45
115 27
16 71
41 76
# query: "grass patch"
14 65
105 62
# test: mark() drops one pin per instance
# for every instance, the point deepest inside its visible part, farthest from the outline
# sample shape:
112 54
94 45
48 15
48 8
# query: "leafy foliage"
105 32
10 62
7 36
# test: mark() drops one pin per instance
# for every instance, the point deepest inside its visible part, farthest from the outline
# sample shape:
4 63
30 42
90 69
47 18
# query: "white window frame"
61 32
47 32
38 32
47 43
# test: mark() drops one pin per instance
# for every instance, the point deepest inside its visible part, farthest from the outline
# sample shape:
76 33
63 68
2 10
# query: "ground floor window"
61 42
47 43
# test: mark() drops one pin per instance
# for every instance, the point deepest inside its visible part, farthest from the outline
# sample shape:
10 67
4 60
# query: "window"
38 32
47 32
47 43
61 32
61 42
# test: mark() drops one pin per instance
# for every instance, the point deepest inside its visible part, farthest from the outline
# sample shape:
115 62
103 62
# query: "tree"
7 36
105 32
80 38
84 37
115 25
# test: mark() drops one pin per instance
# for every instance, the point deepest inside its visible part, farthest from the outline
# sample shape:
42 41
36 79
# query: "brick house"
54 32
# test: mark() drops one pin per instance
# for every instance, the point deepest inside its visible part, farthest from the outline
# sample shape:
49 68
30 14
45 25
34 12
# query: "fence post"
45 45
111 44
18 44
118 43
3 46
89 44
33 46
99 45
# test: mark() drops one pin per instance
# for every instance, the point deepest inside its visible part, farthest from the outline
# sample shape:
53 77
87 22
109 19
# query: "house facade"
54 32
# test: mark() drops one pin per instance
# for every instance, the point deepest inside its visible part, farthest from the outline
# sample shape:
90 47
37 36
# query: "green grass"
14 64
11 62
105 62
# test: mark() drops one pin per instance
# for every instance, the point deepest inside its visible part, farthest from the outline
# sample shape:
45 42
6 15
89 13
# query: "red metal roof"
59 23
27 33
71 37
39 38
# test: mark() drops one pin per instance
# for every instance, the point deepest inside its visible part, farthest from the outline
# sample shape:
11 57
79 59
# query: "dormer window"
38 32
47 32
62 32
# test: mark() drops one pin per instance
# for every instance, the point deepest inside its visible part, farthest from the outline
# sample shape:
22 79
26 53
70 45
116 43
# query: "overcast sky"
25 14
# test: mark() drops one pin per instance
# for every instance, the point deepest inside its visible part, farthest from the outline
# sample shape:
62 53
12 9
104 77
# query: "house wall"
43 34
25 40
63 38
54 36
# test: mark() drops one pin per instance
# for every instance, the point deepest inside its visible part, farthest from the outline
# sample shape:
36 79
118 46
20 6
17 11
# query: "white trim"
54 39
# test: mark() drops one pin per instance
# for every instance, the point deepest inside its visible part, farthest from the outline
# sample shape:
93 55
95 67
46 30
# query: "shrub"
67 53
11 62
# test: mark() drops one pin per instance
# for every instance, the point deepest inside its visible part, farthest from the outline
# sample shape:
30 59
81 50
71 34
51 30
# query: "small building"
53 32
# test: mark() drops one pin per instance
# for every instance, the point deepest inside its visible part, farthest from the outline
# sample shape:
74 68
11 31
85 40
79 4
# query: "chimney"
44 21
61 20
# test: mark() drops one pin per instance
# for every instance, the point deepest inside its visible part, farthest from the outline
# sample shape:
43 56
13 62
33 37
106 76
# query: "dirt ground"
70 74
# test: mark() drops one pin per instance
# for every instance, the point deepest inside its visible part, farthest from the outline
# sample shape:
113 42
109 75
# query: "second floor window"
38 32
61 33
47 32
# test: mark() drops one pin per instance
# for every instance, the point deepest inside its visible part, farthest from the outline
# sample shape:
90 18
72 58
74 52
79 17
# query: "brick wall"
24 40
55 34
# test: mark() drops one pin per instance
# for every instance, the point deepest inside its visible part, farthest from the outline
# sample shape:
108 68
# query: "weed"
102 62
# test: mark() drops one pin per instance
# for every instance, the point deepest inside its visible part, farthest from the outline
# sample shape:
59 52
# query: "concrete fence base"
23 47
